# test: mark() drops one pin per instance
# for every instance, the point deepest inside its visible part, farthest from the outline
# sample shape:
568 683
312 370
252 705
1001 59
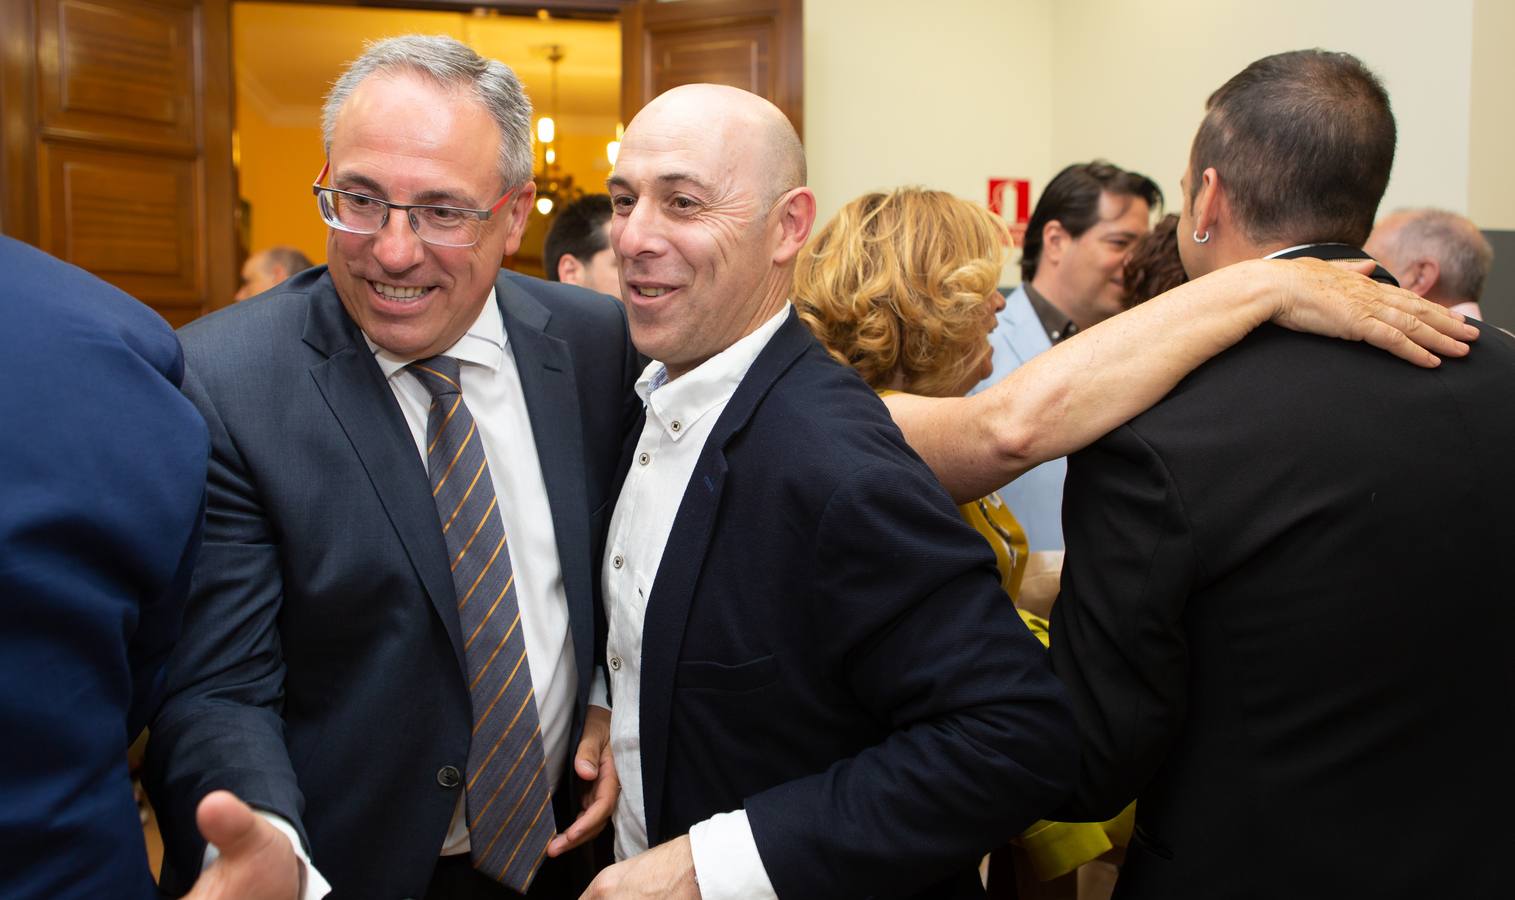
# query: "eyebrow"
616 181
425 198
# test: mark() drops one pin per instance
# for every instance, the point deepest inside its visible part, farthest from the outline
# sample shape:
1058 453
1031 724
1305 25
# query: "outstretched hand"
257 861
1338 300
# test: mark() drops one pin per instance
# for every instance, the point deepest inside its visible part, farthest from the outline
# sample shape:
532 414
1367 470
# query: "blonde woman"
901 286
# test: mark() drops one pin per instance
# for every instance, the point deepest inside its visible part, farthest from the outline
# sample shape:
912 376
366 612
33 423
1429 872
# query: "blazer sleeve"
221 724
979 738
1118 640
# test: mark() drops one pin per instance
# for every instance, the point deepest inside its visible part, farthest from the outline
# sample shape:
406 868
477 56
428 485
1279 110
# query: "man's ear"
1055 240
516 212
570 270
796 216
1421 276
1209 201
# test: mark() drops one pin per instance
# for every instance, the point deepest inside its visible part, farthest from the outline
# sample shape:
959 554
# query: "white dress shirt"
492 389
680 417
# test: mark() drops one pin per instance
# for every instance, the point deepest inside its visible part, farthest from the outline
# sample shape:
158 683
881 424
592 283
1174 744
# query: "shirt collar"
1055 322
1277 253
482 345
677 405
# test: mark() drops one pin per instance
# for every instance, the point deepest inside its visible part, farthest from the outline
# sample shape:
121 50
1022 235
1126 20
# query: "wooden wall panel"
128 218
116 143
756 45
737 55
120 73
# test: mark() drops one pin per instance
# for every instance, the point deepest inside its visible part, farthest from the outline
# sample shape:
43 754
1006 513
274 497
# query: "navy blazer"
321 675
827 645
1285 623
102 480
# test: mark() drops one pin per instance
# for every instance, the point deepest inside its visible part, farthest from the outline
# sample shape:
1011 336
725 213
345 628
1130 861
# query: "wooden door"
115 143
755 45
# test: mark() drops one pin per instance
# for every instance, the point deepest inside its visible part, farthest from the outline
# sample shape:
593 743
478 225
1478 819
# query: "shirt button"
448 777
615 663
676 425
617 561
644 458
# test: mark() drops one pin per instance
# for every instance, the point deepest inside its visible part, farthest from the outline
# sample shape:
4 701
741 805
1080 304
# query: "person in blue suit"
102 480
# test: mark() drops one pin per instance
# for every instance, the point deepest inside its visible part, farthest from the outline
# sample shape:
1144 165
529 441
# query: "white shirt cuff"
599 693
314 885
726 860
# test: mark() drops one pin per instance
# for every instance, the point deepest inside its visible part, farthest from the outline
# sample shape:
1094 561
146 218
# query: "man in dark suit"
390 640
100 515
820 688
1285 635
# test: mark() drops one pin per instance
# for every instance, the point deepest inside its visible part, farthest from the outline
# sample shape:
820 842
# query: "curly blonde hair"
896 284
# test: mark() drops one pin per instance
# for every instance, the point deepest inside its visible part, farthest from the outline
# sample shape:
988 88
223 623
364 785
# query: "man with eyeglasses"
389 643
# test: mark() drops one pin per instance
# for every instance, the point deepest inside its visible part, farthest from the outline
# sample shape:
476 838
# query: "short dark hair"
1072 198
1303 142
579 230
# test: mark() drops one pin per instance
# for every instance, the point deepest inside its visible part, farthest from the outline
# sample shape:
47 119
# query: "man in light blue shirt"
1076 243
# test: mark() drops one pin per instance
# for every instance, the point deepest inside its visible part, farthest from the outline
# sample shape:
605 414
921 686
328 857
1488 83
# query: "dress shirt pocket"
738 678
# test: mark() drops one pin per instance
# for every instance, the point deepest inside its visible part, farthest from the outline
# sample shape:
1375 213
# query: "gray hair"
446 62
1456 244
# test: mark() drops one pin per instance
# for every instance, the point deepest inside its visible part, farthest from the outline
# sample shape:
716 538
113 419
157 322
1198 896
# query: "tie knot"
438 374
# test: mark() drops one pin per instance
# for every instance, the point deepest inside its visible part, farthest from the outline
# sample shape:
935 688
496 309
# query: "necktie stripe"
484 717
513 766
489 615
487 566
467 441
485 668
529 828
476 529
504 846
443 427
506 820
483 466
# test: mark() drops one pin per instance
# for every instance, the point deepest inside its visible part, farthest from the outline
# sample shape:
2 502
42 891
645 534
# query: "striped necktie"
509 816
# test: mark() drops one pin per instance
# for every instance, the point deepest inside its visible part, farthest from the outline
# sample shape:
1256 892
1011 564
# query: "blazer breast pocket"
700 675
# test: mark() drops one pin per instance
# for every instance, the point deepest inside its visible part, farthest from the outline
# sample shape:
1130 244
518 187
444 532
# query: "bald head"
1438 254
742 123
709 212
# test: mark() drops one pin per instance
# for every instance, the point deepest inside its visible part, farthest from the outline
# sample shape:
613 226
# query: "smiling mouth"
399 293
650 292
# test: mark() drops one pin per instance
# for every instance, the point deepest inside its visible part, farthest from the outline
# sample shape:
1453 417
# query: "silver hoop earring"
1201 240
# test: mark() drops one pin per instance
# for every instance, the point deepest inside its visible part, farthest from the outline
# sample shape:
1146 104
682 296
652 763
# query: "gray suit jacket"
320 675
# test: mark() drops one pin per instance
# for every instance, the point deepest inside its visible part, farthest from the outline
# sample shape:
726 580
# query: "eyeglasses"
443 226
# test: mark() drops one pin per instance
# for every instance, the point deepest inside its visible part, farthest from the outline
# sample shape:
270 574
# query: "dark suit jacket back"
320 676
1285 623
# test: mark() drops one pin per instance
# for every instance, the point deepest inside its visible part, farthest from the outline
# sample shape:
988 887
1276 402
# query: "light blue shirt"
1036 498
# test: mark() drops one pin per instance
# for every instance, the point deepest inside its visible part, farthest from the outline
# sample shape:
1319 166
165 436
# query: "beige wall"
1491 174
943 95
951 93
1130 80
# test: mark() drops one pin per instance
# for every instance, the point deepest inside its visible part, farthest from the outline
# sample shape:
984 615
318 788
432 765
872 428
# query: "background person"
268 268
577 250
1439 255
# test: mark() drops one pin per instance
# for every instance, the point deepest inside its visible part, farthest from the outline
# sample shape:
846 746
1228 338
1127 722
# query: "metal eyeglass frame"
483 215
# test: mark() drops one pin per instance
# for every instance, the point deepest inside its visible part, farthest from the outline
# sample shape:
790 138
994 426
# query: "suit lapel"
361 401
545 366
684 558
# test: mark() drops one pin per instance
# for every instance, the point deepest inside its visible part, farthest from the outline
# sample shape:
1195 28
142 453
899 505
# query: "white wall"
951 93
943 95
1129 80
